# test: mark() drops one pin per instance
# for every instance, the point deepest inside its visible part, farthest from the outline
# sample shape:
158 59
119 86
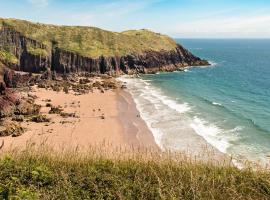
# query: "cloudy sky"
177 18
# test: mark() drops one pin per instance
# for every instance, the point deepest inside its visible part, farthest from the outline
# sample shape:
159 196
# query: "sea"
227 104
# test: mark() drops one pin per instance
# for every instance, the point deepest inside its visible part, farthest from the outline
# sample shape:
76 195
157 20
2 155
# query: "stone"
2 88
56 110
40 119
11 128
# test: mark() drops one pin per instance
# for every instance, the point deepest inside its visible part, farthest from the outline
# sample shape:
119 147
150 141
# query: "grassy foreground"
141 175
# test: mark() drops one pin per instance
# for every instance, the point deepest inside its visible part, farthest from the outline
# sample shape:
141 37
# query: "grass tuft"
8 57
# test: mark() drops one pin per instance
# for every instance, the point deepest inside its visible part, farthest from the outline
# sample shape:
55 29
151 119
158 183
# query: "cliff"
34 47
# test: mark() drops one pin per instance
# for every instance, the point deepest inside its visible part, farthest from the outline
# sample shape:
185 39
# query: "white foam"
213 64
216 104
181 108
235 130
150 99
210 133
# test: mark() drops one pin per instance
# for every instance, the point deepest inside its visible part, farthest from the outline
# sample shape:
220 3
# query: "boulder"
2 88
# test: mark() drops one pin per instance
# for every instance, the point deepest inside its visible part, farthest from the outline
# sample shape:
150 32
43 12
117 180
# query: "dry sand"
107 119
120 126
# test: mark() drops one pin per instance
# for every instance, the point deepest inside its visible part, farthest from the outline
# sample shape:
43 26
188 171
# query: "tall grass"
123 173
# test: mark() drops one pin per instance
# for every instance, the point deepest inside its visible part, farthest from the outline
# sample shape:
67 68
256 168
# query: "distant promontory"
35 47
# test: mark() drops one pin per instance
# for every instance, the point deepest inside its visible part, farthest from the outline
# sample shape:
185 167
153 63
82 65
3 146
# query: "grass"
8 57
37 51
91 41
120 174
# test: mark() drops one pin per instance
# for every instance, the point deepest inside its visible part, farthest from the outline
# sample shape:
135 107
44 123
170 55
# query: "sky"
177 18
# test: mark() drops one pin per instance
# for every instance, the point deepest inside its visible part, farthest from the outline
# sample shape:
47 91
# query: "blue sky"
177 18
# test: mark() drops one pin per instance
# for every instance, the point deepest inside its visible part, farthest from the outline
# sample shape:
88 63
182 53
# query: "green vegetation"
90 41
36 51
43 174
8 57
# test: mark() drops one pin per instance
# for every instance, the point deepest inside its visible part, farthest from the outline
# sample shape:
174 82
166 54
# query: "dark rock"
66 62
8 103
56 110
11 128
18 118
14 79
40 119
27 108
66 89
66 115
2 88
48 105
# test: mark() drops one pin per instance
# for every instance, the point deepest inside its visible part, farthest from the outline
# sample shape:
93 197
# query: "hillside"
90 41
35 47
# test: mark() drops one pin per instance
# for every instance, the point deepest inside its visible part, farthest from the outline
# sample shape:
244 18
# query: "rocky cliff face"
16 44
63 61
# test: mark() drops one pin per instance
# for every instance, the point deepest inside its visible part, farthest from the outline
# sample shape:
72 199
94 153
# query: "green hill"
90 41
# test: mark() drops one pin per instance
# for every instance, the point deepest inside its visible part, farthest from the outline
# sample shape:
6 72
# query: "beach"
109 118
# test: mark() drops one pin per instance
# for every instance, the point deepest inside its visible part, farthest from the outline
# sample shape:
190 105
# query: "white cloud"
39 3
241 26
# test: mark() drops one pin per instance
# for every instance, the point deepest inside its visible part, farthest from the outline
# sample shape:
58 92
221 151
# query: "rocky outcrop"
148 62
63 61
17 44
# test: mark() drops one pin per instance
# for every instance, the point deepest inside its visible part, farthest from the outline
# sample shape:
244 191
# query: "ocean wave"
212 63
216 104
161 105
212 103
210 133
181 108
238 115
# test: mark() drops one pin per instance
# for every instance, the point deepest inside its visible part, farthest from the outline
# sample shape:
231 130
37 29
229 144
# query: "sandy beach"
101 118
108 118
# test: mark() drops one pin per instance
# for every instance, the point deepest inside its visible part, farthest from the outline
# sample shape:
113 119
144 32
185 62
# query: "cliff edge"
35 47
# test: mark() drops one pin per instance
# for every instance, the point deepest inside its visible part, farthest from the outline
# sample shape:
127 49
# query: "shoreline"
192 144
109 118
135 128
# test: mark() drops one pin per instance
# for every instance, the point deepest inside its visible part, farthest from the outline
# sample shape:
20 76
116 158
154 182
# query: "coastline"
103 119
187 141
109 118
134 127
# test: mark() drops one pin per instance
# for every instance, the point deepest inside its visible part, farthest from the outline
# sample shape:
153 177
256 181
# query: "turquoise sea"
227 104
